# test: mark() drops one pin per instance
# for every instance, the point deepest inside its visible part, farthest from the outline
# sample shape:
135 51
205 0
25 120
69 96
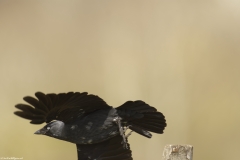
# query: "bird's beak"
41 131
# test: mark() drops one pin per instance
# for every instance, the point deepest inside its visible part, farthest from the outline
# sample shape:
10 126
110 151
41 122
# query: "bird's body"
86 120
93 128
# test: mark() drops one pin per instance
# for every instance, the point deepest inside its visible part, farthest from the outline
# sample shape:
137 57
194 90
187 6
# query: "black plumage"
96 128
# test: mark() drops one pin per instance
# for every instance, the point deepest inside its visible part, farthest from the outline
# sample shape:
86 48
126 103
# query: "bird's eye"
48 128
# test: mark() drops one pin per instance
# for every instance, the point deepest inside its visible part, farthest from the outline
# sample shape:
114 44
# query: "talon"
125 129
129 134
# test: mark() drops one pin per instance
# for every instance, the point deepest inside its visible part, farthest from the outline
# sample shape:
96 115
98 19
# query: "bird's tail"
141 118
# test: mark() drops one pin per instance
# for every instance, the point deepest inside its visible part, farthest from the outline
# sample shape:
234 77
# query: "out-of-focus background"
182 57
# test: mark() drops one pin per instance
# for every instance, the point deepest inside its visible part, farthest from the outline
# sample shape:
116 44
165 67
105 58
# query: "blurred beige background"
181 57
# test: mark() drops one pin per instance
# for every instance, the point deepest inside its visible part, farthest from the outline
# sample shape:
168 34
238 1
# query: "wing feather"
65 107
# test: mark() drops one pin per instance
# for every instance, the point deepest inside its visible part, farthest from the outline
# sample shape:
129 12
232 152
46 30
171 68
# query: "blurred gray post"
177 152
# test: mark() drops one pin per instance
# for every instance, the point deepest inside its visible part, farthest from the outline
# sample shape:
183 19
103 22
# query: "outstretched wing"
141 118
65 107
111 149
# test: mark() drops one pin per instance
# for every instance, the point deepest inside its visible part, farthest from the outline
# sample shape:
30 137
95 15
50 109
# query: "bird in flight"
98 130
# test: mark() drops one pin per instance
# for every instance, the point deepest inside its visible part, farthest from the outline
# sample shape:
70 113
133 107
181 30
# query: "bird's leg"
125 129
121 131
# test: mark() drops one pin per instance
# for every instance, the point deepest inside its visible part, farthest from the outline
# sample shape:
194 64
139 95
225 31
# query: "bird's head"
52 129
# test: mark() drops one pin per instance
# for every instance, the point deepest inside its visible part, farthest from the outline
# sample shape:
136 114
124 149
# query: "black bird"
96 128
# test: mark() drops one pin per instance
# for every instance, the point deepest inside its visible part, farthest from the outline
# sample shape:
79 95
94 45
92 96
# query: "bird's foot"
125 129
